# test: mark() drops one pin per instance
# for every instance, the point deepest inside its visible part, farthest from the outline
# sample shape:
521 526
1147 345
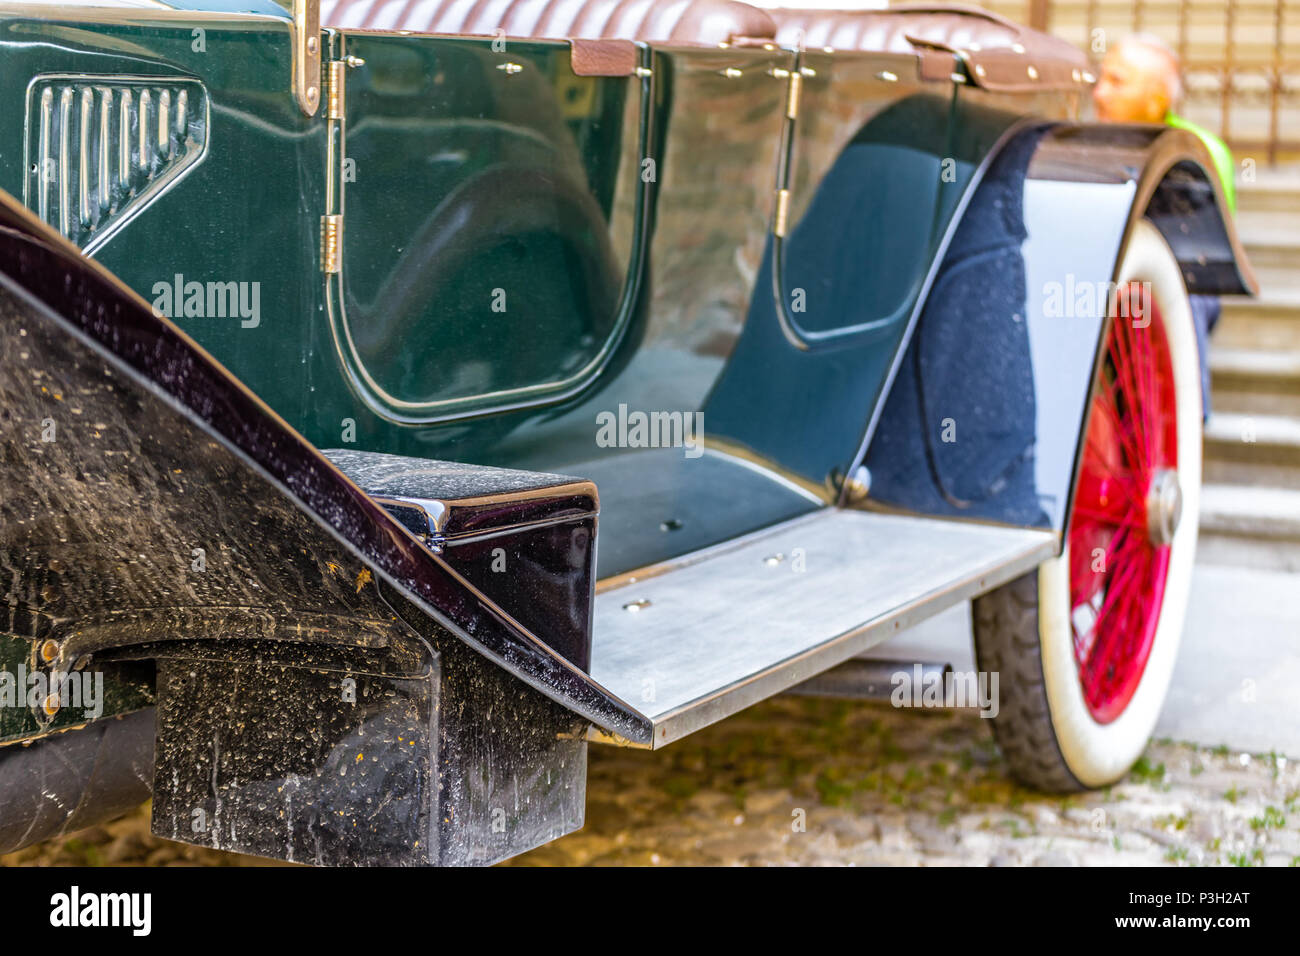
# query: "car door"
489 200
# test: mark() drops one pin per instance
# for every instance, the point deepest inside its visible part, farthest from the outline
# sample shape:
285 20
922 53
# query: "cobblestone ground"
795 781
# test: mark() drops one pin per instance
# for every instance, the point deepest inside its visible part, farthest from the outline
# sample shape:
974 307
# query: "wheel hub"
1164 507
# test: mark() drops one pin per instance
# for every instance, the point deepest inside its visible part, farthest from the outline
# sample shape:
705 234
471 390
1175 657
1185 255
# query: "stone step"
1270 322
1272 192
1255 381
1271 442
1250 526
1266 221
1252 511
1248 448
1277 282
1224 471
1272 244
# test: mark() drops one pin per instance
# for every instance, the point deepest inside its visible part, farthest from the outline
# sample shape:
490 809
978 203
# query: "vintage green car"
322 323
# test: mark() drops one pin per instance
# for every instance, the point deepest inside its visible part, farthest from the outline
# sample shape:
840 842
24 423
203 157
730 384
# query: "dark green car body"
689 277
524 250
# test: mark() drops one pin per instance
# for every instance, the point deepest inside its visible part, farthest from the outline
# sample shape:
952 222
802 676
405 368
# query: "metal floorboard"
698 643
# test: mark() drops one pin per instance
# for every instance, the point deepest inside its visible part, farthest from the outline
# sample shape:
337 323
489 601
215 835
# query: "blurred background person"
1140 82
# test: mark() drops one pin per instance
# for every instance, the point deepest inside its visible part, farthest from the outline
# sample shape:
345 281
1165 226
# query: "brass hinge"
796 85
331 242
782 211
338 89
306 55
794 91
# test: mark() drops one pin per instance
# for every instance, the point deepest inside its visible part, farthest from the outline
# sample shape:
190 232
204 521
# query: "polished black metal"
187 443
526 540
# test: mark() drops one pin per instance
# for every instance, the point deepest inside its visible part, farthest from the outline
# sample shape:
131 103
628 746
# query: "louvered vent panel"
100 149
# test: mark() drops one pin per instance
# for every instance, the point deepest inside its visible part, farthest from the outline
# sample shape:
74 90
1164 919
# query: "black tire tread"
1007 642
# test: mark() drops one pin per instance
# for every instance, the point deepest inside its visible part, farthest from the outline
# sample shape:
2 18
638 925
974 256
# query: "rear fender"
988 401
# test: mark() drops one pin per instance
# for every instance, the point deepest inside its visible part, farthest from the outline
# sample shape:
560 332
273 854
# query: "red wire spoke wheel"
1126 507
1085 646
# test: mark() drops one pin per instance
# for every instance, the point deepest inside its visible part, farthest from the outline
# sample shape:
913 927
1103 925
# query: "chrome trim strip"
105 146
83 156
65 118
43 175
142 126
124 139
164 124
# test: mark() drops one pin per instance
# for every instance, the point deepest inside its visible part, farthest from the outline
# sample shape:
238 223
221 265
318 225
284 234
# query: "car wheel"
1085 646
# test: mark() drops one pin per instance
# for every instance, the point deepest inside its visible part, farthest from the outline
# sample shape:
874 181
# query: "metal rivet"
979 70
635 606
1033 73
49 651
1076 75
312 43
1089 78
887 76
51 705
772 560
1018 48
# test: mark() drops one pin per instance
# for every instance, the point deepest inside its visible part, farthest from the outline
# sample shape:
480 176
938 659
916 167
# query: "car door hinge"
331 240
338 89
782 211
792 100
794 77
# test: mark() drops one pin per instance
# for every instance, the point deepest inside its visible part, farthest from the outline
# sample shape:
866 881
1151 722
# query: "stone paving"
813 782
